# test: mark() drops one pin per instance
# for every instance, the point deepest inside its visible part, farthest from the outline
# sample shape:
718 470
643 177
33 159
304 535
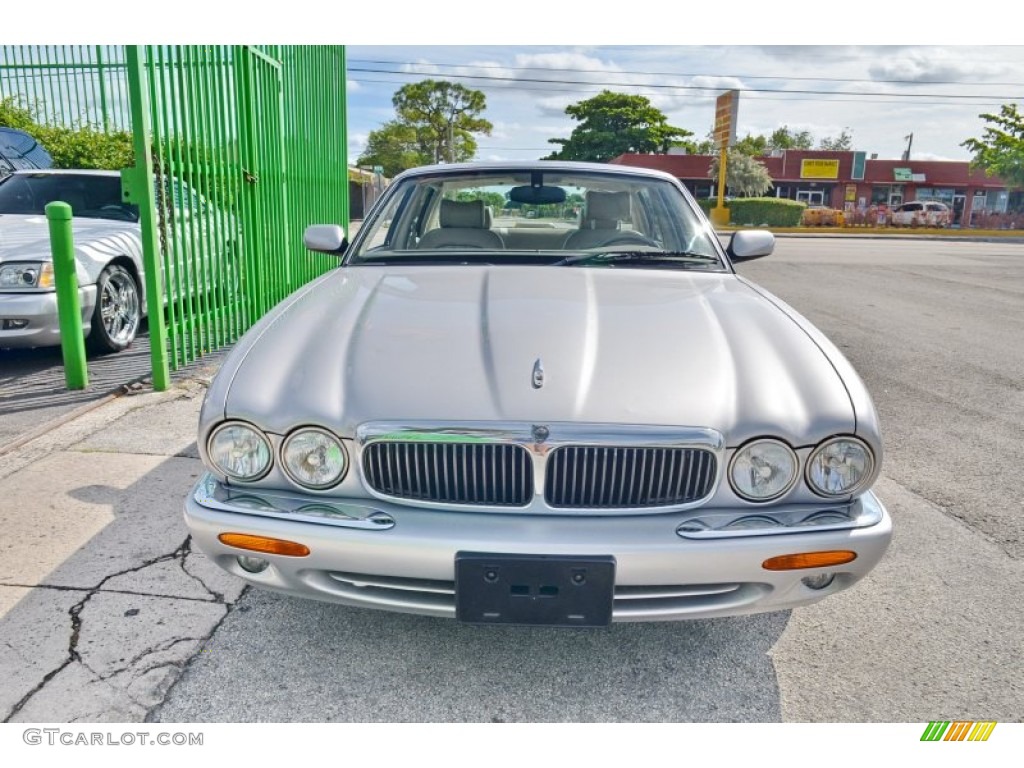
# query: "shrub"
81 146
760 211
765 212
85 147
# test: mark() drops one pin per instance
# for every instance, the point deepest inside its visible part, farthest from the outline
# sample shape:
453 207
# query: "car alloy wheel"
118 311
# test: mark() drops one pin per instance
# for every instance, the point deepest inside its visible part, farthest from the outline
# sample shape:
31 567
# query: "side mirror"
751 244
325 238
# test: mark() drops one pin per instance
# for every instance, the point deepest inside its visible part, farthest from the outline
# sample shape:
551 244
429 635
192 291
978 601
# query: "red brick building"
852 181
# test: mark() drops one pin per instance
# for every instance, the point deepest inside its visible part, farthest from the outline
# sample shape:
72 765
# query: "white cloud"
829 88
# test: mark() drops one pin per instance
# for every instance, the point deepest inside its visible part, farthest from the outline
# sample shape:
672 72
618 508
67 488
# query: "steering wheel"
632 238
119 212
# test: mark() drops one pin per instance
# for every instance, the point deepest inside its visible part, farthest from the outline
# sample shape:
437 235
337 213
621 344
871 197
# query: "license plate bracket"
545 590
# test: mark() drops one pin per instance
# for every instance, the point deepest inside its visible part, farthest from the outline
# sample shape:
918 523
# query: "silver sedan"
108 257
540 394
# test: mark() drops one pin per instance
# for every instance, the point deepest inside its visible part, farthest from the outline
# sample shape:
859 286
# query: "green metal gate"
237 149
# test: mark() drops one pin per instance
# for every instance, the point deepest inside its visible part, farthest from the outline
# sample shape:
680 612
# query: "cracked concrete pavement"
102 599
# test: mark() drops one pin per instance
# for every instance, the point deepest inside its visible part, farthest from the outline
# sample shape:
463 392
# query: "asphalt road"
933 633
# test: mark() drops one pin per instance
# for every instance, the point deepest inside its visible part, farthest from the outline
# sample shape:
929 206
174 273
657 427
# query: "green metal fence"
237 149
69 85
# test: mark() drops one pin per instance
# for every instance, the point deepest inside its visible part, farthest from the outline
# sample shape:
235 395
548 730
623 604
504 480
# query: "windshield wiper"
639 257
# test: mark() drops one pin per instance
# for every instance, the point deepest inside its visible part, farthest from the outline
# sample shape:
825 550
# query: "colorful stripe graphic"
961 730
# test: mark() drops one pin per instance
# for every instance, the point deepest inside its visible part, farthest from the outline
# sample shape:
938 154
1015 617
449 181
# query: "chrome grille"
600 476
450 473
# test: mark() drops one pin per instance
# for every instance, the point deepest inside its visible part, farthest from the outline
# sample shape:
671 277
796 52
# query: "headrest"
612 206
469 215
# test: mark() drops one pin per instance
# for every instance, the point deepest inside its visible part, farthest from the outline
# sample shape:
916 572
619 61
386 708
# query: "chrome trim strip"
863 512
662 592
363 580
212 494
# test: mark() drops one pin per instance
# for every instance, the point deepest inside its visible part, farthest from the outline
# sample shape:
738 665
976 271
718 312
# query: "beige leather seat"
602 223
462 225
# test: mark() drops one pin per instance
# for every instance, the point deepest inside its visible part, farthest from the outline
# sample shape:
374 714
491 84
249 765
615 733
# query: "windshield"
537 215
91 196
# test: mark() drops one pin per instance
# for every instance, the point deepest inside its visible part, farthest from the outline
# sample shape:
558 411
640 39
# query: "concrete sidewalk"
102 600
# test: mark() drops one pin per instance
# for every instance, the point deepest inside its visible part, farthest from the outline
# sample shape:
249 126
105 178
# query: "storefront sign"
902 174
819 169
917 177
851 193
727 108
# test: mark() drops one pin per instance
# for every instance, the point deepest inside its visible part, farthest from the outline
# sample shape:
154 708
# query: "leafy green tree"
743 174
784 138
495 200
841 143
395 147
1000 150
613 123
780 138
435 121
752 146
445 116
705 146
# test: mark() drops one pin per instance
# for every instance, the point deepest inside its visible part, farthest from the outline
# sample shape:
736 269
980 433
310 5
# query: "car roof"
64 172
564 166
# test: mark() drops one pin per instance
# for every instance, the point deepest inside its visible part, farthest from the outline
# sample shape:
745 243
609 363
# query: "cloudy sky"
881 93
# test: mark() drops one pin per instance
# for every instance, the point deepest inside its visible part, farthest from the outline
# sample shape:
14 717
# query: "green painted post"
103 88
137 185
69 308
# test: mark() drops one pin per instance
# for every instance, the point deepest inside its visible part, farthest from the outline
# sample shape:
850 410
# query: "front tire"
118 311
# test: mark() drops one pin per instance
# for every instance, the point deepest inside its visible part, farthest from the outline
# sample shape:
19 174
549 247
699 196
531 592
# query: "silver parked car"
108 253
567 418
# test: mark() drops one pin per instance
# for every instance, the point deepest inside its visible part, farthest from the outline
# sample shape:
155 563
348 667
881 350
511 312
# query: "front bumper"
40 310
371 553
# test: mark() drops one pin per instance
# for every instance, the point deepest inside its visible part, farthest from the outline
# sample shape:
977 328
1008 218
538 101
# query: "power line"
666 86
841 97
691 74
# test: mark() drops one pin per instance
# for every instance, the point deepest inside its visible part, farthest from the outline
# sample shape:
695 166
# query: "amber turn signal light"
809 560
264 544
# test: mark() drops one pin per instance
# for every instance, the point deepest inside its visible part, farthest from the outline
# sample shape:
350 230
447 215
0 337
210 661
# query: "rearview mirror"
751 244
325 238
538 195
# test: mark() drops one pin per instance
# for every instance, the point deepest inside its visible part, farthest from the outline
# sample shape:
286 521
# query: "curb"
60 421
1011 239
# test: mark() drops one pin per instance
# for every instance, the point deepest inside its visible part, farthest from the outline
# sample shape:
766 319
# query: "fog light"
820 581
15 324
255 564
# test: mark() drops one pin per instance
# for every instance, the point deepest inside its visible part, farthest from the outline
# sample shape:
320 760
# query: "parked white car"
922 213
108 254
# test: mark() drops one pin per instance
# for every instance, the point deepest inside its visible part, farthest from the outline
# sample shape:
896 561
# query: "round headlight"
314 458
239 451
763 470
839 467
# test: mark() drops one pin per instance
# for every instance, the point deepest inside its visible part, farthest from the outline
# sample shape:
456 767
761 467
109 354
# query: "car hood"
27 237
627 346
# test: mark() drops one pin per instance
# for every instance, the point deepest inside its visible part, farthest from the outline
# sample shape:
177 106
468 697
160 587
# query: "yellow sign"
851 193
819 169
727 107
